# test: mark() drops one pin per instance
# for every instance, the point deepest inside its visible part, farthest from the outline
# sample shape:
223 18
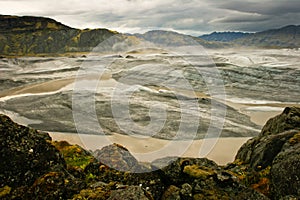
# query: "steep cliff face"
37 35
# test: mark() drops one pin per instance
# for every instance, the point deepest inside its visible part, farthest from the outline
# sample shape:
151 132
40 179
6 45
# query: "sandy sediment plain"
259 83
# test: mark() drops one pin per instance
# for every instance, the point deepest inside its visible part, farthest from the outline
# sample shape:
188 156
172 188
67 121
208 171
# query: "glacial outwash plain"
97 114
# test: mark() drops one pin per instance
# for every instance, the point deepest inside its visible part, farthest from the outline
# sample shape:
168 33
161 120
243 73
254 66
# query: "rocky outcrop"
69 172
117 157
200 178
289 119
25 154
274 155
285 170
260 152
31 166
34 166
130 192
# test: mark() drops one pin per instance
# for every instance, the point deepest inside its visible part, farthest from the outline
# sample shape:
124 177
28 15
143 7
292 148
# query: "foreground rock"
266 167
288 120
31 166
26 153
275 155
200 178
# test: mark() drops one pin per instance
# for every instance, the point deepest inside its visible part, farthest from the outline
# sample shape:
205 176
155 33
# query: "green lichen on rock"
92 193
198 172
270 162
172 192
25 152
34 166
4 191
295 139
74 155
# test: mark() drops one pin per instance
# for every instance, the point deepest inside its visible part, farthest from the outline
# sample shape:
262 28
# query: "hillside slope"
31 36
223 36
285 37
37 35
170 38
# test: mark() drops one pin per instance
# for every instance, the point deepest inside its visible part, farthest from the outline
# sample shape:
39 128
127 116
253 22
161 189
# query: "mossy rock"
199 172
100 193
5 191
295 139
74 155
210 195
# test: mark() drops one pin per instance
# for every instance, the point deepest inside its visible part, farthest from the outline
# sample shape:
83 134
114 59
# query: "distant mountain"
39 35
170 38
285 37
223 36
33 36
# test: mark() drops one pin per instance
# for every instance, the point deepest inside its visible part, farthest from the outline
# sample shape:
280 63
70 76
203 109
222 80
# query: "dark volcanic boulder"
178 170
116 163
117 157
25 154
200 178
260 152
287 120
129 192
31 167
249 194
172 192
285 171
275 156
54 185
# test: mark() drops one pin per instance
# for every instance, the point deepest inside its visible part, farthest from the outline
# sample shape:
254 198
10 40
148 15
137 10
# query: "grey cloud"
188 16
243 19
273 22
263 7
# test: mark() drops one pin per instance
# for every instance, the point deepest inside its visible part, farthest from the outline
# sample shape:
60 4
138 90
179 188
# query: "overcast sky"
193 17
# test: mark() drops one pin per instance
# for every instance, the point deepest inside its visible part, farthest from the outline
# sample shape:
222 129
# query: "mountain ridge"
35 36
283 37
20 36
172 38
28 23
223 36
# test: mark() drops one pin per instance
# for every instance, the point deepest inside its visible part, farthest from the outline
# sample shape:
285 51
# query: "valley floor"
258 84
